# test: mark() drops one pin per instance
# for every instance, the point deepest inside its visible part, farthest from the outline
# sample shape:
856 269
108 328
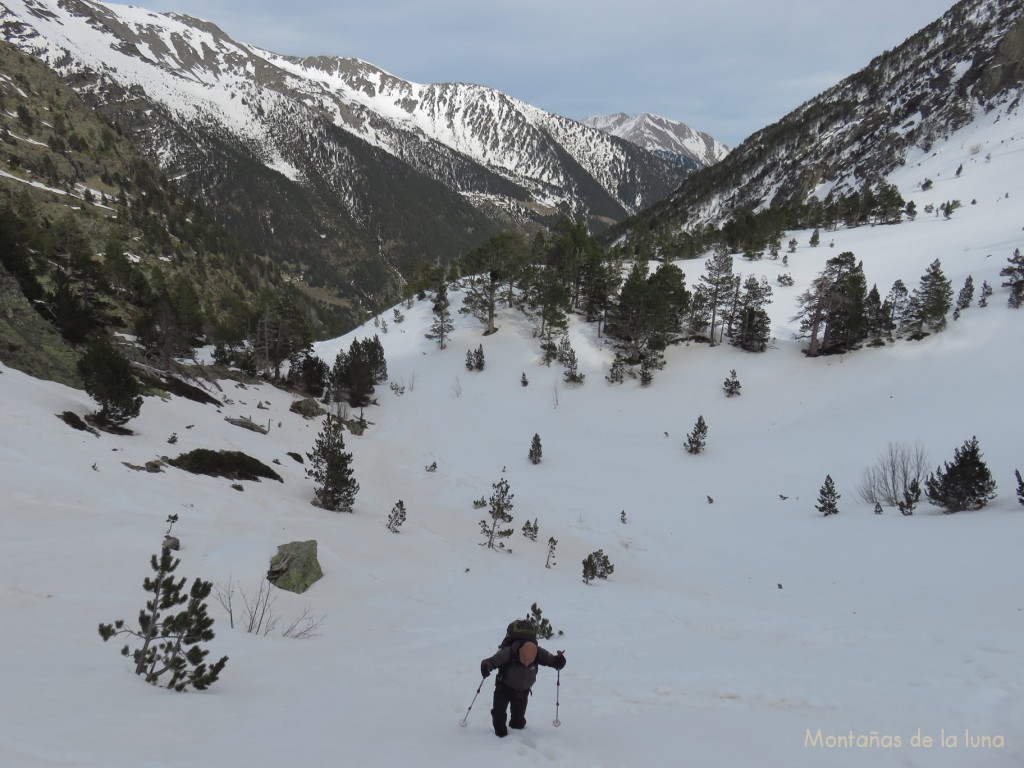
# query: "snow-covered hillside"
747 631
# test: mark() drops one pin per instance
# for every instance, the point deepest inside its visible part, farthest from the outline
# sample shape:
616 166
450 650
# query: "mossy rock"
307 408
295 566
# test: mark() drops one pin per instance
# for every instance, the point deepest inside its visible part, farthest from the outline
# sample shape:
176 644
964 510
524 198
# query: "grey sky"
727 67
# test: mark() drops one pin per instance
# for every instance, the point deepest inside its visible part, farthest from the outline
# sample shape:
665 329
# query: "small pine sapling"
828 498
478 358
523 380
552 543
530 530
544 629
697 439
501 504
622 517
618 370
878 508
911 495
170 641
397 517
535 450
732 385
1020 486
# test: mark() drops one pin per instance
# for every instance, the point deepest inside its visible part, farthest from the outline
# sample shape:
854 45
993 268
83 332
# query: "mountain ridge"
667 138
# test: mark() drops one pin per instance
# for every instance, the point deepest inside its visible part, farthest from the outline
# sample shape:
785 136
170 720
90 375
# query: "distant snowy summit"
668 138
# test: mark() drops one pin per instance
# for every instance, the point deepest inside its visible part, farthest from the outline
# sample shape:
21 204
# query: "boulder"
295 566
308 408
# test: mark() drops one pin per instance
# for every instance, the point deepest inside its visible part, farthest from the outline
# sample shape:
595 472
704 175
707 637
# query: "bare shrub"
893 474
258 616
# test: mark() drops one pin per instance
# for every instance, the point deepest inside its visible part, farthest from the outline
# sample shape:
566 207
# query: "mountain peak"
663 136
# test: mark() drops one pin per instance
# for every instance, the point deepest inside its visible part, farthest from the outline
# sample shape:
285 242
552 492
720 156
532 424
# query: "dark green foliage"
75 421
596 565
966 295
108 378
1014 274
523 380
617 372
535 450
544 630
307 372
828 498
356 372
931 301
531 530
732 385
965 484
552 545
442 326
696 440
397 517
234 465
475 360
501 504
331 469
753 328
835 306
1020 486
170 637
911 496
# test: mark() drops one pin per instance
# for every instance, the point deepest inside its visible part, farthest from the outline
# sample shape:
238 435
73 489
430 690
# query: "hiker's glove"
559 660
485 668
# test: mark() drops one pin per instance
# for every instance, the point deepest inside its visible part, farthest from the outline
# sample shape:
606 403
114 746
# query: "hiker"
517 672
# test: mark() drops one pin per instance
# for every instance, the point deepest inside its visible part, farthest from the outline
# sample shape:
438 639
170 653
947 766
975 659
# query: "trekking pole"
558 685
465 720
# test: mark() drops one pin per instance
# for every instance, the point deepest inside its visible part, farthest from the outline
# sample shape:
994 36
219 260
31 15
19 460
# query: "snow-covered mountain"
667 138
740 627
321 122
965 64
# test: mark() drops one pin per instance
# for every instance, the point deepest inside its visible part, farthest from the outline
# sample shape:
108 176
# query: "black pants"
503 697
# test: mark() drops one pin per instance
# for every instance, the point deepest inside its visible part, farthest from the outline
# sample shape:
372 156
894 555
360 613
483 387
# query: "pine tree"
596 566
552 544
965 484
331 469
1014 274
754 326
717 283
170 640
544 630
827 498
911 495
397 517
442 326
108 378
696 440
1020 486
501 504
616 373
535 450
732 385
966 295
986 291
878 507
931 300
531 530
523 380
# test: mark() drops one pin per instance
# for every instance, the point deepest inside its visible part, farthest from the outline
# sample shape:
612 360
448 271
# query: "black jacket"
519 676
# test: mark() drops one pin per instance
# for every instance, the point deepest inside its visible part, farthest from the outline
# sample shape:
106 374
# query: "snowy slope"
884 628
